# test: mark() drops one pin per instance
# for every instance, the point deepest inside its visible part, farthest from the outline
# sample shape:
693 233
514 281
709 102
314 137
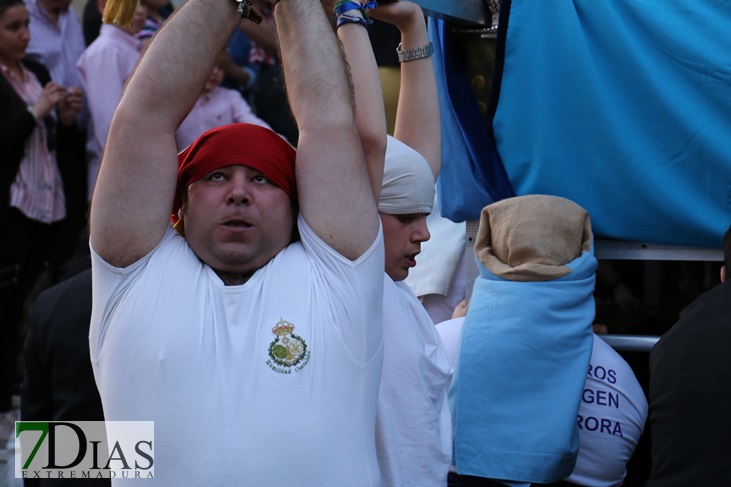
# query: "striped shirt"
37 190
56 46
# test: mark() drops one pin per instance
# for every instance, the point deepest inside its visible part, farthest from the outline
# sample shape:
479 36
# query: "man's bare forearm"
313 63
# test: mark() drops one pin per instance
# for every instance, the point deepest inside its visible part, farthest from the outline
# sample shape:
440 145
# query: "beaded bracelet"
351 19
370 5
344 6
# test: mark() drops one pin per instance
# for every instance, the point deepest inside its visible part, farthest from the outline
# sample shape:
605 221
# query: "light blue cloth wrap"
517 387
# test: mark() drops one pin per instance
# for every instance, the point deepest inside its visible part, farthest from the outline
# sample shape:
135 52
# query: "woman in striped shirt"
38 172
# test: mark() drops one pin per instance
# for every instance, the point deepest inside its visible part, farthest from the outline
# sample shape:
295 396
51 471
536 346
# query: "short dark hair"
6 4
727 249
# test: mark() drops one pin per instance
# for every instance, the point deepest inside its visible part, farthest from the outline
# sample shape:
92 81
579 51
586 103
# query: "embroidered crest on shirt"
287 350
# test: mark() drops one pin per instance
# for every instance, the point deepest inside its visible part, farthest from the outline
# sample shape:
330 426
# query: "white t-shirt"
273 382
611 417
413 425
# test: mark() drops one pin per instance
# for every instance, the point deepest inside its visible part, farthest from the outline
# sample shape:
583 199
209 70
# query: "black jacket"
17 124
59 382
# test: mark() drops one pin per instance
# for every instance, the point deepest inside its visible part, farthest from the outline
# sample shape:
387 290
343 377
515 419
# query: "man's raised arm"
134 192
334 189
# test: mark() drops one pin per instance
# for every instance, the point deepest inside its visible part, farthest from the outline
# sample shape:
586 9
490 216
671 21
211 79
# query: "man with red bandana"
252 335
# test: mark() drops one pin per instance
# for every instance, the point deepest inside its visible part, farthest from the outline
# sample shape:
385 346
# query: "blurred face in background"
154 7
55 6
14 34
138 21
216 77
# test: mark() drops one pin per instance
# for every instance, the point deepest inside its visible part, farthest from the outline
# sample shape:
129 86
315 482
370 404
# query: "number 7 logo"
21 426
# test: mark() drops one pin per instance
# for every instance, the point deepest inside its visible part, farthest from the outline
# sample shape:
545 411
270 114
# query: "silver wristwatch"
415 53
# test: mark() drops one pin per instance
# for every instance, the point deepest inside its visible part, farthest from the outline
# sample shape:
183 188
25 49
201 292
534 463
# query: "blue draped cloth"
517 387
472 174
622 106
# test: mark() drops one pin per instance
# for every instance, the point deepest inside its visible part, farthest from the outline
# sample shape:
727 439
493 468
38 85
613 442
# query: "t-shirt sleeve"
108 284
356 287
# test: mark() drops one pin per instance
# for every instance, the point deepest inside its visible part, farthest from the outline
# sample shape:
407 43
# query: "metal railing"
630 343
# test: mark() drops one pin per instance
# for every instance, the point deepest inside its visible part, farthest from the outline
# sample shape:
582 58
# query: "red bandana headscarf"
237 144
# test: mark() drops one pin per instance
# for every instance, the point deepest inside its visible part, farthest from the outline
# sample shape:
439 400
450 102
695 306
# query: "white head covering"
408 183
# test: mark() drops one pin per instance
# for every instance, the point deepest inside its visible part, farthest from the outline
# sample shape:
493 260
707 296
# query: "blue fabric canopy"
621 106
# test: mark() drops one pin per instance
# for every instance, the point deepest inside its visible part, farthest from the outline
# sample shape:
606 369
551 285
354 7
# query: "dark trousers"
28 247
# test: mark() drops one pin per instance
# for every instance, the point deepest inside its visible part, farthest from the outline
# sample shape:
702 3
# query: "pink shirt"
219 106
104 68
37 190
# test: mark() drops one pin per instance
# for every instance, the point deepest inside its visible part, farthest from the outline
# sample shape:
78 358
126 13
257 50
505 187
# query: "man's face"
55 5
236 220
403 235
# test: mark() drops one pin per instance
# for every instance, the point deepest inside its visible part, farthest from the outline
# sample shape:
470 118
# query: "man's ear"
180 213
723 274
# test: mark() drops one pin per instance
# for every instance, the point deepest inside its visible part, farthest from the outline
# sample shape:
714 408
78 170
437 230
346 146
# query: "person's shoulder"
120 39
78 283
97 46
171 251
371 258
716 296
56 304
708 308
111 38
32 6
604 355
70 13
602 348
